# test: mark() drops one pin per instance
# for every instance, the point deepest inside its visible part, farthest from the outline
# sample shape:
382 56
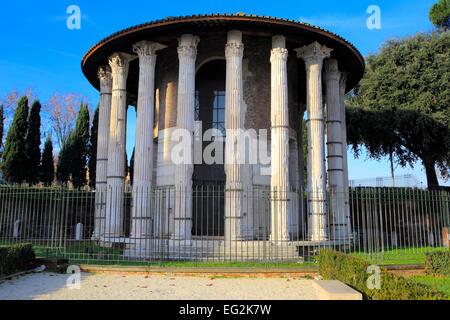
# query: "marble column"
143 156
342 86
105 78
119 63
334 151
313 55
234 51
279 181
187 54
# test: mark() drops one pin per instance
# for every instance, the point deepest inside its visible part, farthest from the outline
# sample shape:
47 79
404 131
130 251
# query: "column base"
284 239
318 238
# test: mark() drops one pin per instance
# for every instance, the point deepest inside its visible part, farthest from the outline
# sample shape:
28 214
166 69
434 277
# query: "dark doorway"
209 179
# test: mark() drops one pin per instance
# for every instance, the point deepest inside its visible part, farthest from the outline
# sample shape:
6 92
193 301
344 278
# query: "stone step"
335 290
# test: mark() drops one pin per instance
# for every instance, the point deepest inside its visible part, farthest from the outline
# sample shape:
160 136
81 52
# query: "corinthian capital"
278 54
234 46
146 48
313 53
120 62
234 50
187 46
105 77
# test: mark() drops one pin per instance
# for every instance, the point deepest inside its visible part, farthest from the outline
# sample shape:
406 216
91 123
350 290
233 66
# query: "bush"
16 258
353 271
438 263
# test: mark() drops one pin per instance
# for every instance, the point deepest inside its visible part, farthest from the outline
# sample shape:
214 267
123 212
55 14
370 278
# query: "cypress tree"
47 169
65 157
32 144
14 156
92 152
80 148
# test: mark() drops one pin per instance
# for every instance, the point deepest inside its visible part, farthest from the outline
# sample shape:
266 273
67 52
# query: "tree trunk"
432 180
392 169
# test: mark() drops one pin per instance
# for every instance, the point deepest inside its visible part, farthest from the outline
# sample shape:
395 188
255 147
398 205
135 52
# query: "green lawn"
398 255
441 284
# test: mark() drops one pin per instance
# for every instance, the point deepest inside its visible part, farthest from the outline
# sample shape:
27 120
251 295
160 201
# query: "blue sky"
37 49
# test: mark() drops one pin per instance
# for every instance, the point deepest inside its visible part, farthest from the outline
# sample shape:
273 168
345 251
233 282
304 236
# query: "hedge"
16 258
438 263
353 271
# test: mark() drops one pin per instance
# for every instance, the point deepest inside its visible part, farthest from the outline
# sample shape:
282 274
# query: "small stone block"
335 290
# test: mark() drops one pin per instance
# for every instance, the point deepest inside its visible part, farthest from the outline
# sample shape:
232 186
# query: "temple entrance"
209 179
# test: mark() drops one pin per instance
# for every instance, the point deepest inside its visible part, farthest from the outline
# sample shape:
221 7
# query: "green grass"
87 252
398 255
441 284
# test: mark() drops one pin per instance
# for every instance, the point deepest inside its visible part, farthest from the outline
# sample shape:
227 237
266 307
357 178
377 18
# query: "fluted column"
313 55
279 181
342 84
335 150
234 50
143 154
105 78
119 63
187 54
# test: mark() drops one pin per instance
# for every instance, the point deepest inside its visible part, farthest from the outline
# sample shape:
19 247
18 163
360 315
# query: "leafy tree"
47 168
401 105
32 144
14 156
64 165
92 150
440 14
80 148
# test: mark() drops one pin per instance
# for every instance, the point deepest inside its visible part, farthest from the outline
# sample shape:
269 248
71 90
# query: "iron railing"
212 224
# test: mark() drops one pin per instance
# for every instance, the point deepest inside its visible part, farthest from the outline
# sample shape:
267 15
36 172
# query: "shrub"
353 271
438 263
16 258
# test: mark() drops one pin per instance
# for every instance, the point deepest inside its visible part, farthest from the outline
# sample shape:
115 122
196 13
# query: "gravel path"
51 286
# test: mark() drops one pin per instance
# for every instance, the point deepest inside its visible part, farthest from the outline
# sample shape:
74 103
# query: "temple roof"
166 30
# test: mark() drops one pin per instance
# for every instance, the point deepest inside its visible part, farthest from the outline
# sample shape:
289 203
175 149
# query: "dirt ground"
142 286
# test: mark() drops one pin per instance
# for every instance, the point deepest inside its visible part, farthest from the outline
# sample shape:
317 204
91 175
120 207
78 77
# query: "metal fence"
402 181
211 224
